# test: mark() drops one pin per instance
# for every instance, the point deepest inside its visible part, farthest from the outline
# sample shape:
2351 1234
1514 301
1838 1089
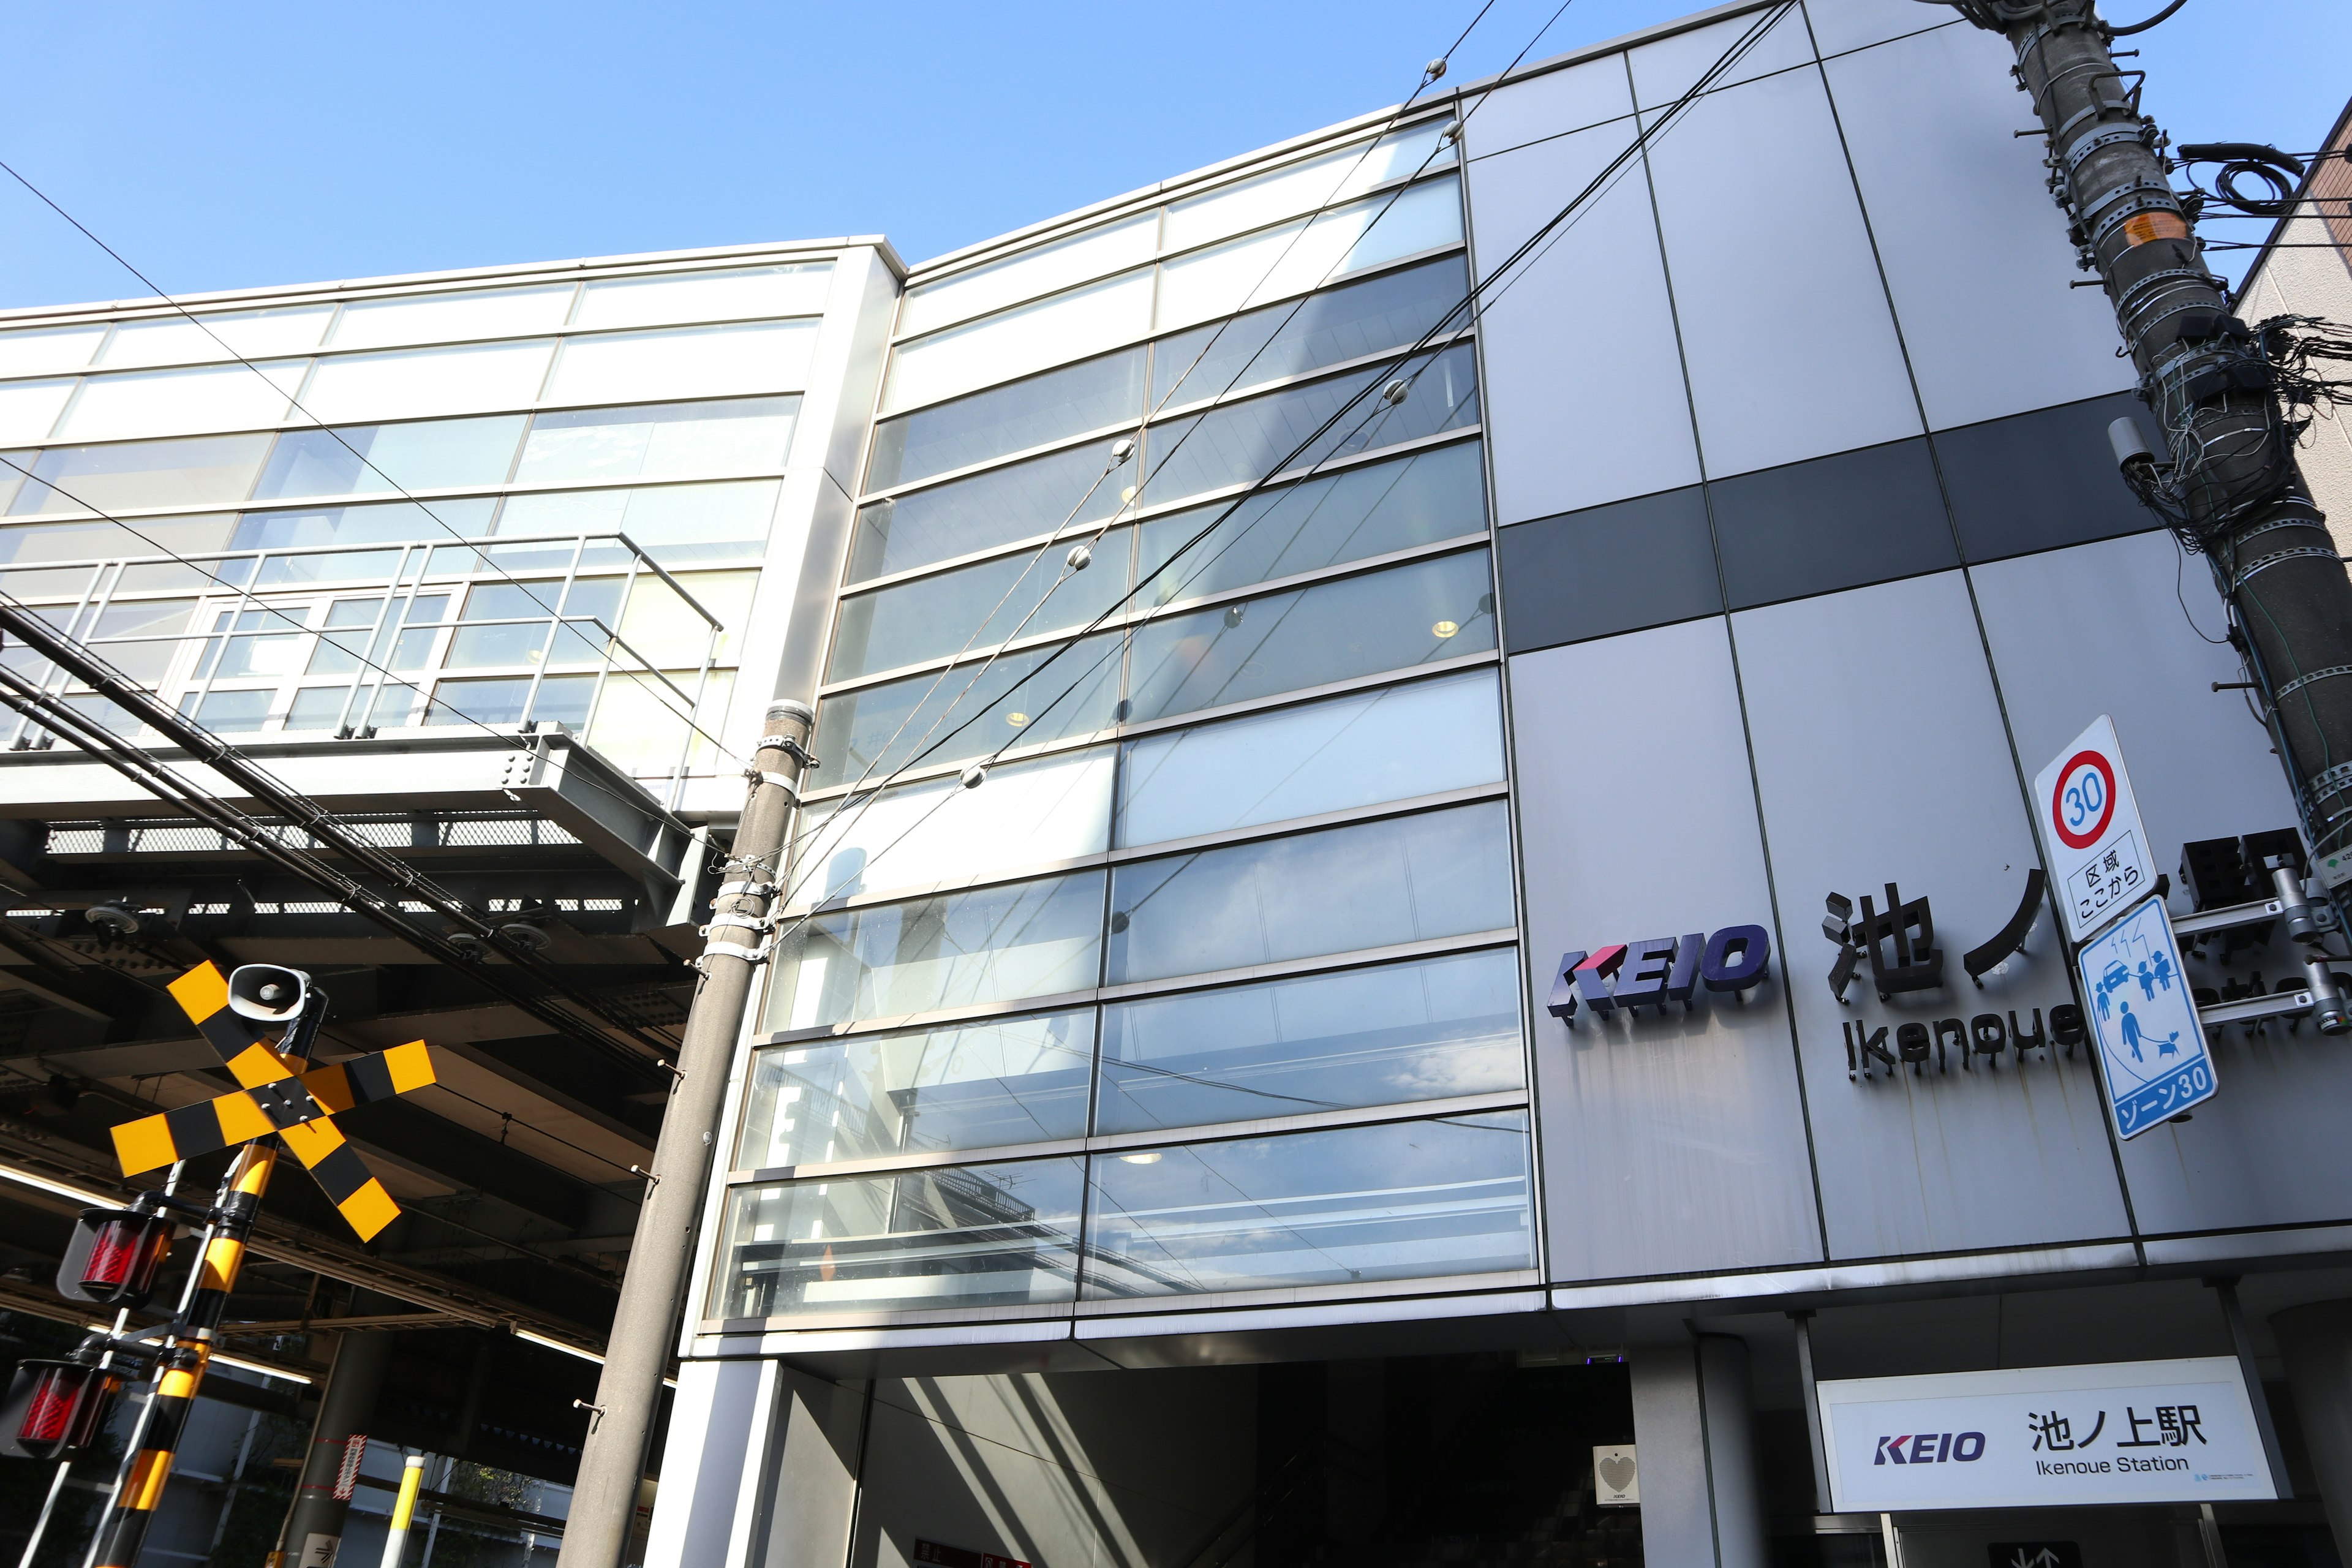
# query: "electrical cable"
1436 69
27 696
2152 21
1541 237
263 607
383 865
851 804
1617 167
296 403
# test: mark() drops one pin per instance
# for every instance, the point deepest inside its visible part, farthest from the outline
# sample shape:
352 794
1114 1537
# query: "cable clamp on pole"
790 785
744 889
739 921
2267 561
2335 780
730 950
791 748
2300 681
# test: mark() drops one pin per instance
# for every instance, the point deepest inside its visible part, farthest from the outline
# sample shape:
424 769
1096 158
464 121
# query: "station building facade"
1258 628
1250 673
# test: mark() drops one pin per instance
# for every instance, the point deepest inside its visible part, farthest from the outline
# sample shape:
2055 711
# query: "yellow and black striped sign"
297 1107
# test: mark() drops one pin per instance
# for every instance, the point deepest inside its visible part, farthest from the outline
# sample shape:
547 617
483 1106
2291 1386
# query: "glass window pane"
169 402
1420 500
1282 341
479 701
1395 619
1030 274
269 643
960 950
524 611
1306 186
1032 412
967 711
793 289
673 439
329 566
1020 500
383 522
998 348
981 1085
977 1236
30 409
1386 1035
252 334
1242 442
413 650
361 459
1322 756
149 536
203 472
1276 263
124 631
641 725
1409 1200
678 525
352 624
1371 884
414 381
926 834
393 707
234 710
445 318
973 606
35 351
564 700
690 361
325 708
661 628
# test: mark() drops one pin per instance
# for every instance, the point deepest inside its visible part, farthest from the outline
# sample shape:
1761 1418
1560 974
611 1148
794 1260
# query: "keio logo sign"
1633 974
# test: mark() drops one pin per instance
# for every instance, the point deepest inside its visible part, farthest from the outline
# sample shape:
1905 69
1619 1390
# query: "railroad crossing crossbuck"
280 1097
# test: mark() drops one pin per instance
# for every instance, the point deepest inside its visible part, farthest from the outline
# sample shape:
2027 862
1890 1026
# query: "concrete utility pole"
2234 490
654 1290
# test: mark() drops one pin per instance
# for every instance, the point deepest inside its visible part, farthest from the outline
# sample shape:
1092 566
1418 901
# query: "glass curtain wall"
1205 980
535 503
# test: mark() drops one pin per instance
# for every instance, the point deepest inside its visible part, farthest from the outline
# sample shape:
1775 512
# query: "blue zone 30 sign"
1662 969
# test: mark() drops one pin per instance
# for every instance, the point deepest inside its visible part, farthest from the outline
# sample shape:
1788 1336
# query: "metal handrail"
400 586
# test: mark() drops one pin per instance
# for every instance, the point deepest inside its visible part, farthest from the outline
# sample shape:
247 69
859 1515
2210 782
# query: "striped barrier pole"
403 1507
140 1488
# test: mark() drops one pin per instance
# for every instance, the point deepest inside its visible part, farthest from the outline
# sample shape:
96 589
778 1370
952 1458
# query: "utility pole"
653 1290
2232 490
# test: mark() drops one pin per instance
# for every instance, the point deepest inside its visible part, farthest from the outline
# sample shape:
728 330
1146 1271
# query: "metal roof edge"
35 314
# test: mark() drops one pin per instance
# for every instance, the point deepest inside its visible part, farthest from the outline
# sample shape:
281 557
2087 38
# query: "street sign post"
2152 1054
2092 836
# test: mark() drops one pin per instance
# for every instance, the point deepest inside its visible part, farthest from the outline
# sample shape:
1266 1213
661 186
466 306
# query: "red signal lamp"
114 1256
55 1409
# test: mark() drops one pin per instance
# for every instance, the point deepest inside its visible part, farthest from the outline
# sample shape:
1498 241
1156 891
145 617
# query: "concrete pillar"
2316 1341
1695 1438
314 1526
759 1468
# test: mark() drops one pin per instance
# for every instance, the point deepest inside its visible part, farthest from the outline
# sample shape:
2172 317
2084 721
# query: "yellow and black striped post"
139 1489
282 1094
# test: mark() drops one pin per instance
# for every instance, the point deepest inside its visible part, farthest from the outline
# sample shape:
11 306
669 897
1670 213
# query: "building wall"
2308 271
634 416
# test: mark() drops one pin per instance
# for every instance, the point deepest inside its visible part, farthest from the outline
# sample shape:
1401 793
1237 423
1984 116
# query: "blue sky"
227 146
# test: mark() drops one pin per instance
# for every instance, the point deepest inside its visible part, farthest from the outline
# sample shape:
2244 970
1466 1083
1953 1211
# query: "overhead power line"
26 694
1507 273
337 435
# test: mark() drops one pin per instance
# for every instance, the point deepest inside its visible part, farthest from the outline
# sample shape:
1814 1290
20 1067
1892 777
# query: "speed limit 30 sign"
2092 836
